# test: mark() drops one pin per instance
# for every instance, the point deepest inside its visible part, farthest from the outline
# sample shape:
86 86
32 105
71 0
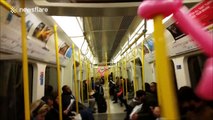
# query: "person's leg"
121 100
92 104
115 98
126 105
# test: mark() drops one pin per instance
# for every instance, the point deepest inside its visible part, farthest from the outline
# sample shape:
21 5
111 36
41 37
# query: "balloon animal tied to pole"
102 70
150 8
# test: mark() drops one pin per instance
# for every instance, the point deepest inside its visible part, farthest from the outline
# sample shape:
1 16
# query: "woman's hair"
38 107
147 87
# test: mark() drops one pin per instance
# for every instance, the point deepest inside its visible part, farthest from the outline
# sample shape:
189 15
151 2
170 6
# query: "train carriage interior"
106 60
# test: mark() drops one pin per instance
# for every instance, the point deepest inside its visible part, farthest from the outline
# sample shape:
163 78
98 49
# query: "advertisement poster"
175 31
42 32
68 53
145 49
201 12
150 45
65 50
29 25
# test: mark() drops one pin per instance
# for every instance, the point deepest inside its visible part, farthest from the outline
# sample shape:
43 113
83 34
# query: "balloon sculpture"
101 71
153 8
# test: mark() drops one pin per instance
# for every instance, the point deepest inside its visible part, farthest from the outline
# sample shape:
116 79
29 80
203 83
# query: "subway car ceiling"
106 29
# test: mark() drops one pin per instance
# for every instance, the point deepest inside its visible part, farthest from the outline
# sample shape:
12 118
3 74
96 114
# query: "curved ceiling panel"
89 9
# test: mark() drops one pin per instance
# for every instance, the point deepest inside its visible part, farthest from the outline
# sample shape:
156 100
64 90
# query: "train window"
195 66
11 90
51 84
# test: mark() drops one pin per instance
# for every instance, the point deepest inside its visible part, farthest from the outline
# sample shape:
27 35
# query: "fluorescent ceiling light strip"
69 25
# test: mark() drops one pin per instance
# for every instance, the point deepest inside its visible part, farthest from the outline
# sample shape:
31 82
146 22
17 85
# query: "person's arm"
69 106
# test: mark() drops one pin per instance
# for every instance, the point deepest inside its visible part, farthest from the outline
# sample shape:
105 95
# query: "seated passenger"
140 96
86 113
192 107
148 106
38 110
53 113
66 96
66 99
151 97
48 100
147 87
146 112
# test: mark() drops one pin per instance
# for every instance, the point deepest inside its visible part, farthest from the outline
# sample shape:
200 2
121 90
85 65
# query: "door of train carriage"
195 67
11 89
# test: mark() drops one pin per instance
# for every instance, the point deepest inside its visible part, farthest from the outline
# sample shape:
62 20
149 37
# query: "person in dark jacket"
140 97
86 113
66 96
99 98
53 113
151 97
66 99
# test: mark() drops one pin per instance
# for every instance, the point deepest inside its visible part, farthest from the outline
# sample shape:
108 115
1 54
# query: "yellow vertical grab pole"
94 74
75 79
126 79
114 73
142 59
134 54
81 81
108 97
87 81
117 69
169 109
58 71
123 65
25 64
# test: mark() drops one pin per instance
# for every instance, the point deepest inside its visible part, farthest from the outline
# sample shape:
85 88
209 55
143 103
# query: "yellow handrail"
95 75
169 109
9 7
134 72
142 59
122 82
88 82
126 79
75 79
25 64
108 97
81 79
114 73
58 71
